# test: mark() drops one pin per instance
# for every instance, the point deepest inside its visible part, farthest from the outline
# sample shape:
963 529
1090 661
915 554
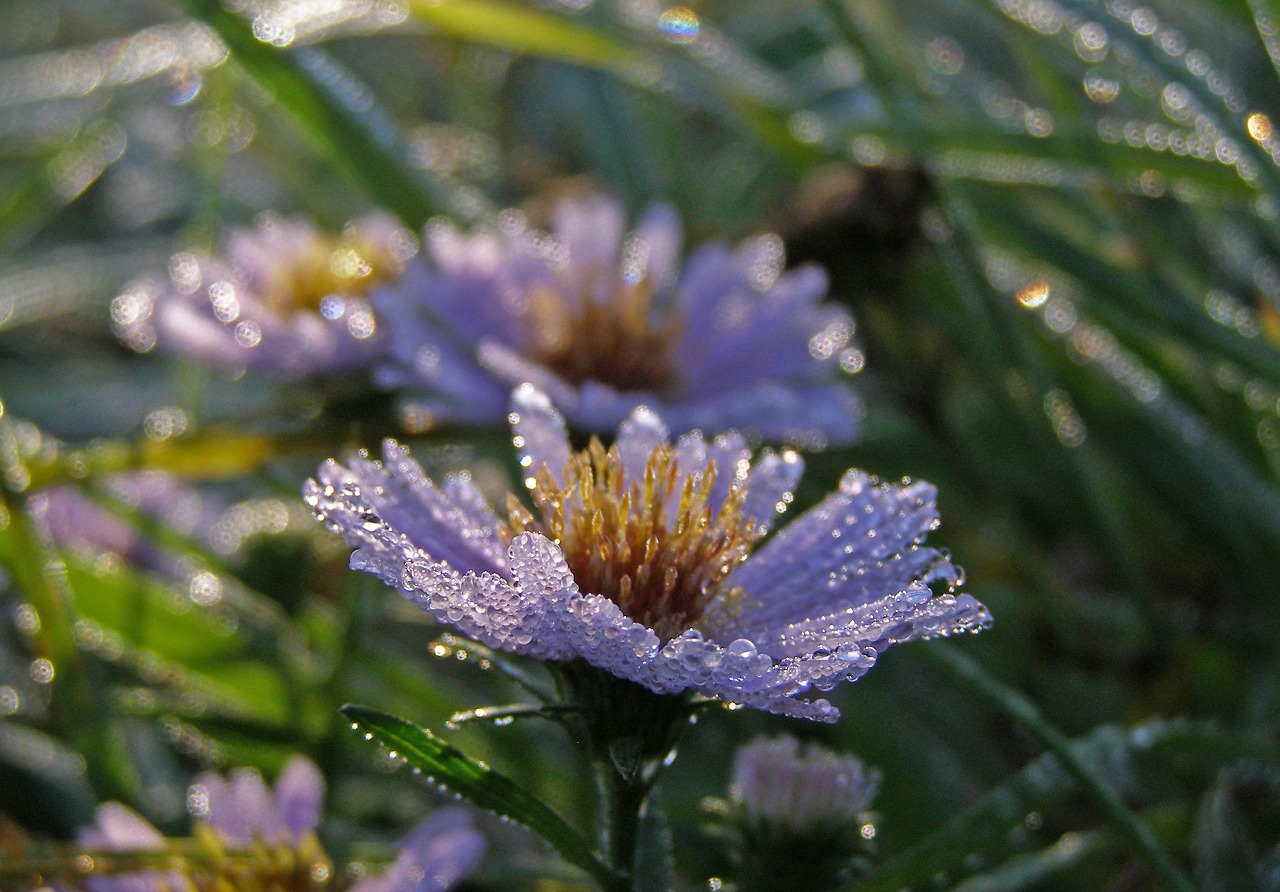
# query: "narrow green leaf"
504 715
340 119
80 706
482 786
1085 772
524 29
985 824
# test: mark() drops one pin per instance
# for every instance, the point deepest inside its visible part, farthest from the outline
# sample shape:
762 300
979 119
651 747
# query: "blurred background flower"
283 298
603 320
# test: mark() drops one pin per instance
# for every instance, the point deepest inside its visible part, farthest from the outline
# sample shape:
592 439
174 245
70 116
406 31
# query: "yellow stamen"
617 341
661 552
347 265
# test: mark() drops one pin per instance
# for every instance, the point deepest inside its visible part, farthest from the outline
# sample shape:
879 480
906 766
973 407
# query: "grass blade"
481 786
339 119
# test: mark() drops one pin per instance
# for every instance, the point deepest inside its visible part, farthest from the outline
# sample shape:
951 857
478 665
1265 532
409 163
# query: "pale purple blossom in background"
75 520
603 321
801 787
242 809
437 854
812 607
117 828
283 298
244 813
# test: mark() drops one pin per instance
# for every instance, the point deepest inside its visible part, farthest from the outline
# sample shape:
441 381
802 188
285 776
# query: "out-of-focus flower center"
616 341
344 266
657 548
210 864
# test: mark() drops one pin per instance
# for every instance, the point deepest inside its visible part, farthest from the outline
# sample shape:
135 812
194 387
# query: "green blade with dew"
481 786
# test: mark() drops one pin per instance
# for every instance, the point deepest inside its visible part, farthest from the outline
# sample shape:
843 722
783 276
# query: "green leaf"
1084 770
526 30
985 824
340 119
481 786
80 706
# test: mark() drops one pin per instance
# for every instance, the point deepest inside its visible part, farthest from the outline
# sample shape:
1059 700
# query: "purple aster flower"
638 560
803 788
437 854
117 828
603 322
254 836
283 298
74 520
242 810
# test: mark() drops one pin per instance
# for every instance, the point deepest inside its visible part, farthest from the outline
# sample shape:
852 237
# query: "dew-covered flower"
283 298
604 321
641 560
804 788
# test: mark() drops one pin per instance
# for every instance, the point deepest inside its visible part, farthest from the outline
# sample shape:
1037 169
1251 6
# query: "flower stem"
620 803
629 735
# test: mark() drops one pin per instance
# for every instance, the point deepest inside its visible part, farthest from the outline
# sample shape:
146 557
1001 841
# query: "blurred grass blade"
1226 859
339 117
524 29
1084 770
51 186
1030 871
545 35
81 707
1009 352
986 823
481 786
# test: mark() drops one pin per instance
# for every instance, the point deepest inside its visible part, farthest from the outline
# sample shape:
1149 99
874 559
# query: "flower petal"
540 433
390 511
640 434
299 796
854 547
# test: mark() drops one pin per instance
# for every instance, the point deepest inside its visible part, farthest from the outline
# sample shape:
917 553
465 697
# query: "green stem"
1011 703
619 819
629 733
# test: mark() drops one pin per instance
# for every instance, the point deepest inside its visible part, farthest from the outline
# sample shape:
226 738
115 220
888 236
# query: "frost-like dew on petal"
539 431
642 432
770 485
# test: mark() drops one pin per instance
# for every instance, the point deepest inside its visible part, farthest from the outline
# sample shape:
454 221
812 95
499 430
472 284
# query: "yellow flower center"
655 547
344 266
617 341
262 867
